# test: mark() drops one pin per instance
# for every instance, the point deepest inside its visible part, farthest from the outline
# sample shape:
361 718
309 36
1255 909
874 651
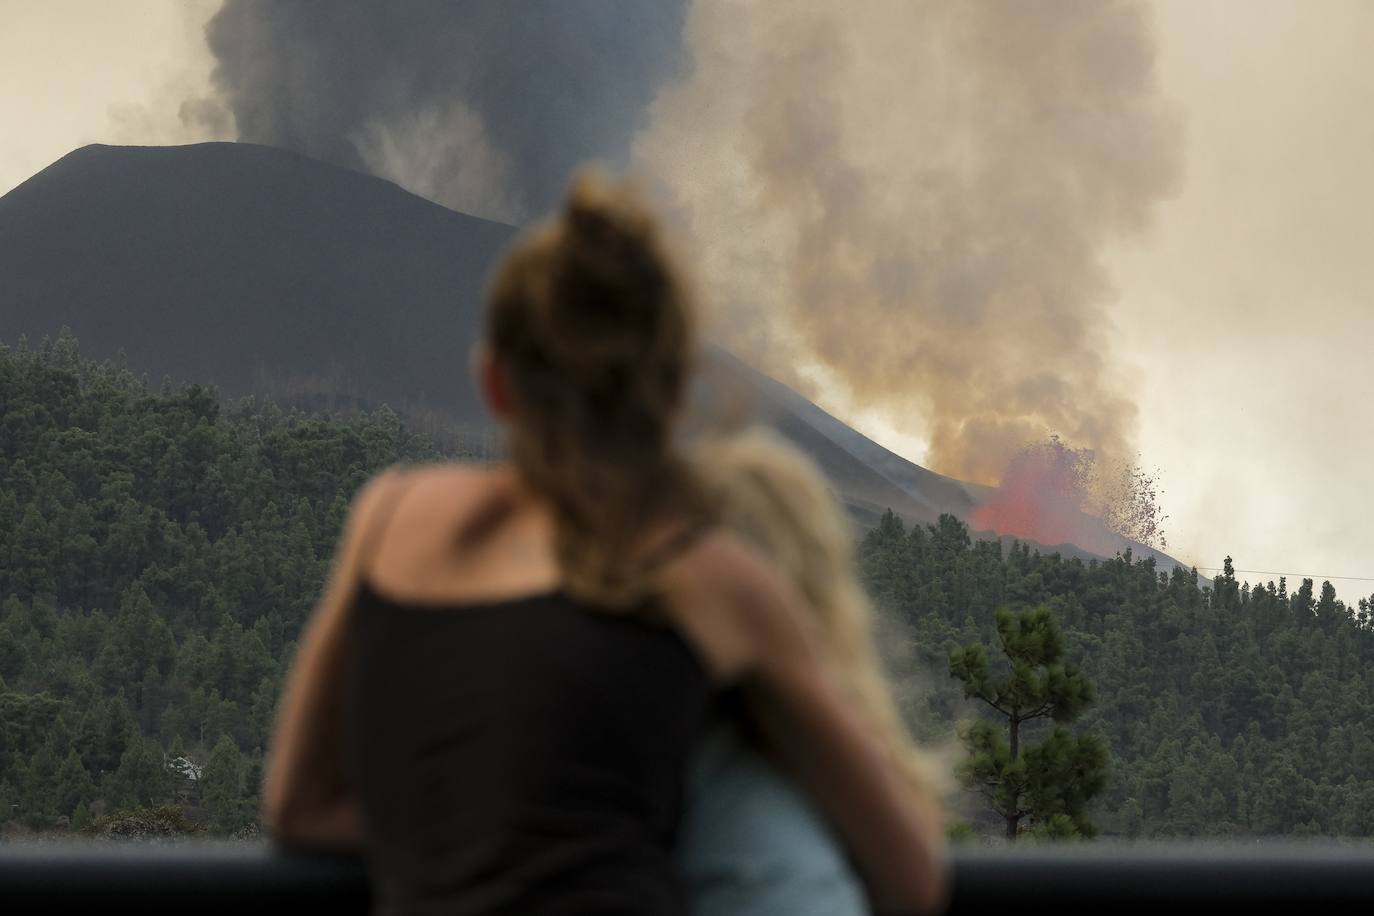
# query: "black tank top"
521 756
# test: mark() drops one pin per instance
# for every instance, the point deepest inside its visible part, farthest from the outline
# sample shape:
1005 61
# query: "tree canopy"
1228 709
162 550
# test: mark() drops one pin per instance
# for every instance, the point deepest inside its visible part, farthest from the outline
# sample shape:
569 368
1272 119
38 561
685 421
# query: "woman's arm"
893 835
307 797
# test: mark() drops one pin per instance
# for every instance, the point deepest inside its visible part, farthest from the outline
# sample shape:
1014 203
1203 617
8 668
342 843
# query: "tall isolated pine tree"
1051 782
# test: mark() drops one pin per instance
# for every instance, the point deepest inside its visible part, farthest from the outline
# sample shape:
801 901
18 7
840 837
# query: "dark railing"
254 880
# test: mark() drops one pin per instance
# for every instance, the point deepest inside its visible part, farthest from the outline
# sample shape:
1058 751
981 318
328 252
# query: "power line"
1288 575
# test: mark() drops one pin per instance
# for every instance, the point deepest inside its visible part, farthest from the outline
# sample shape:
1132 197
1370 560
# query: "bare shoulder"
451 477
414 494
446 487
732 569
730 600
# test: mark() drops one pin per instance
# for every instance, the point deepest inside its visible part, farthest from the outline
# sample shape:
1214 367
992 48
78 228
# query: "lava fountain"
1053 493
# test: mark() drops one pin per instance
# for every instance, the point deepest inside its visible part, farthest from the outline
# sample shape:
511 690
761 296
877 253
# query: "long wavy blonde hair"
767 492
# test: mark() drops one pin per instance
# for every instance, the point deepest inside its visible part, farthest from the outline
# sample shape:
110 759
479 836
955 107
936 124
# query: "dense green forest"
161 551
1229 710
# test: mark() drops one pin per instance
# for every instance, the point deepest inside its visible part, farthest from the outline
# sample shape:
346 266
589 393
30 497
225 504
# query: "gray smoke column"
907 202
483 106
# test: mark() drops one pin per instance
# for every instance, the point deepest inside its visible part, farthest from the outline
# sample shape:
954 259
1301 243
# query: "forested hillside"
159 551
1231 710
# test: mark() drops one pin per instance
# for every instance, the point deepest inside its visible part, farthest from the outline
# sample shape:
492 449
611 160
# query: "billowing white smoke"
898 203
910 199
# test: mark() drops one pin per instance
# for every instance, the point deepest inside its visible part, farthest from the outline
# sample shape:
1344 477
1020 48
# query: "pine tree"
1050 783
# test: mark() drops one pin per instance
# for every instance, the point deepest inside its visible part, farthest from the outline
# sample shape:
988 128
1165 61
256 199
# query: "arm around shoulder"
894 836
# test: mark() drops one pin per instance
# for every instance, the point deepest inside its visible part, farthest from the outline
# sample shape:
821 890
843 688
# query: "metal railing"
256 880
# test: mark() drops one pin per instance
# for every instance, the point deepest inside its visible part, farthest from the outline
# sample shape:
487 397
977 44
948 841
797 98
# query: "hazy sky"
1245 318
1248 313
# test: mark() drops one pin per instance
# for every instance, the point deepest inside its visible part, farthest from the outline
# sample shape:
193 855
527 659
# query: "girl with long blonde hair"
753 843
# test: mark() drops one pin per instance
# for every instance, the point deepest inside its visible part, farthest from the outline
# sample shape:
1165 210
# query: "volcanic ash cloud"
483 107
914 197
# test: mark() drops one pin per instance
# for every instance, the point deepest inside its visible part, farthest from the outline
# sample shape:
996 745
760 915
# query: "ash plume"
911 199
483 107
900 206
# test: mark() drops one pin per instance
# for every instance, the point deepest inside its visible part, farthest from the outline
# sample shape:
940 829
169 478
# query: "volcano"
262 271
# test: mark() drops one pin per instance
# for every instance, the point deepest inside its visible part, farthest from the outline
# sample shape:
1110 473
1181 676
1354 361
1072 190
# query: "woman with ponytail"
499 691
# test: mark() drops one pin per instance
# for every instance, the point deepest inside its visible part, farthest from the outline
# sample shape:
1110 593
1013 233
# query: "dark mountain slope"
736 389
260 270
263 271
249 267
934 492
